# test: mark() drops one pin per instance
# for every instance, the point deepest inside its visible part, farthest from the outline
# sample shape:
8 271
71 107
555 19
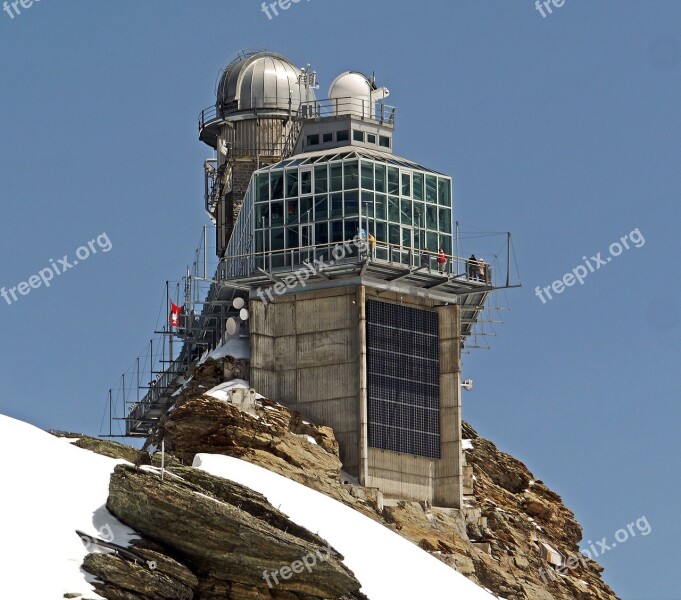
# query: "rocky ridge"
495 541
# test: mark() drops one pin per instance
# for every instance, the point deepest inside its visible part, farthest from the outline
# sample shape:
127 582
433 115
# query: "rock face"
225 534
212 539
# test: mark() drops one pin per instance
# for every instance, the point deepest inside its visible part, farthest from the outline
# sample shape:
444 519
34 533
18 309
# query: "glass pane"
406 212
321 232
277 213
343 136
336 231
277 181
407 242
380 178
321 182
431 217
393 180
367 205
445 220
446 244
432 241
431 188
351 203
394 234
419 214
292 211
351 175
306 210
321 208
381 207
336 205
357 135
367 175
394 209
351 228
262 211
292 183
292 239
305 182
336 177
278 238
381 232
444 192
258 241
418 186
262 188
406 184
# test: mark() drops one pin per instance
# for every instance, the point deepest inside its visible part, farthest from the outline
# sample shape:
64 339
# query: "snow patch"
236 347
51 488
222 391
388 566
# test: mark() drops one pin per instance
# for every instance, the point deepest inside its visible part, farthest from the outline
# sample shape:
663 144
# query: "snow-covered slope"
388 566
49 489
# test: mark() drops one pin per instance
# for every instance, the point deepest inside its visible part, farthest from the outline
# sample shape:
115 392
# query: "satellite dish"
243 314
238 303
232 326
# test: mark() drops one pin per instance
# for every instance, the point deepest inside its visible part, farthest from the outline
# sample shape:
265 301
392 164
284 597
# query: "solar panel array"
403 362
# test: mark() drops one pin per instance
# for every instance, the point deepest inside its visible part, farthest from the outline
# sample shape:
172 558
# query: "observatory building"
346 254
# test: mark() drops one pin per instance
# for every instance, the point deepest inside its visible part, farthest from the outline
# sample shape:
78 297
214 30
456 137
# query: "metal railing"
307 109
338 253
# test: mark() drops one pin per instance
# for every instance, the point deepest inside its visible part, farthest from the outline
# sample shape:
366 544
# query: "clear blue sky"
564 130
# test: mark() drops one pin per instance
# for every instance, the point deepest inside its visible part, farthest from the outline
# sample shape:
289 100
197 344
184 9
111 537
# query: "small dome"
261 80
351 85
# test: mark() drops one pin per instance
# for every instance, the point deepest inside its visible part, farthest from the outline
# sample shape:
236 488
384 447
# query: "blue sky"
564 130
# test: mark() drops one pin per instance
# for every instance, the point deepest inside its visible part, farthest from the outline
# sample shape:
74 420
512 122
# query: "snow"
50 489
467 444
388 566
237 347
222 391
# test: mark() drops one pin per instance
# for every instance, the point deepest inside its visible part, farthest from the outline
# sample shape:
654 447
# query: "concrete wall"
305 355
309 353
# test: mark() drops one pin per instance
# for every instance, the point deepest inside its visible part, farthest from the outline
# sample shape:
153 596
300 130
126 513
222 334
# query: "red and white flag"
175 312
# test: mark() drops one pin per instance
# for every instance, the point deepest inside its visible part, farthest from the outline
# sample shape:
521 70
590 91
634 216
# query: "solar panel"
403 379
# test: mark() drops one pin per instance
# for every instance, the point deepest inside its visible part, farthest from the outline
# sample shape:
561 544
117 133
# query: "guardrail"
338 253
308 109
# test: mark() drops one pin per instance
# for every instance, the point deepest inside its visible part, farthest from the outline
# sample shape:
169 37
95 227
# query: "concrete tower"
359 306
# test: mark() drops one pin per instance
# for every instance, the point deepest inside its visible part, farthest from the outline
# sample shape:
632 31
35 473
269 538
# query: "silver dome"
261 80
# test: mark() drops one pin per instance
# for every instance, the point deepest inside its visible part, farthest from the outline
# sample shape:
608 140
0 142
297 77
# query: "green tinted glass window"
292 183
321 207
406 208
336 170
367 175
277 185
418 186
394 209
351 174
321 181
381 207
262 190
380 178
431 188
393 180
305 182
445 220
351 203
444 192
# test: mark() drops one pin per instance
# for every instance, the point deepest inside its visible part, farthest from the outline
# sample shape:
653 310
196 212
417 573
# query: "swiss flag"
175 312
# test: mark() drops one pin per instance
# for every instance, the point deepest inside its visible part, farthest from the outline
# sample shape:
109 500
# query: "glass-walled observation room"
304 207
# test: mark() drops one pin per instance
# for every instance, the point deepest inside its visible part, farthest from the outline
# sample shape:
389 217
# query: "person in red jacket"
441 261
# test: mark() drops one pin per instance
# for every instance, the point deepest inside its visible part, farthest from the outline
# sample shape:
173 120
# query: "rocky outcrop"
225 534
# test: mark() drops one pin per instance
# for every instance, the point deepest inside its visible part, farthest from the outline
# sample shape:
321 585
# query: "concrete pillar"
363 437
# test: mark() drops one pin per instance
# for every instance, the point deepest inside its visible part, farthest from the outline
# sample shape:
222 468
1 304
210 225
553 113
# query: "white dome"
261 80
351 85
